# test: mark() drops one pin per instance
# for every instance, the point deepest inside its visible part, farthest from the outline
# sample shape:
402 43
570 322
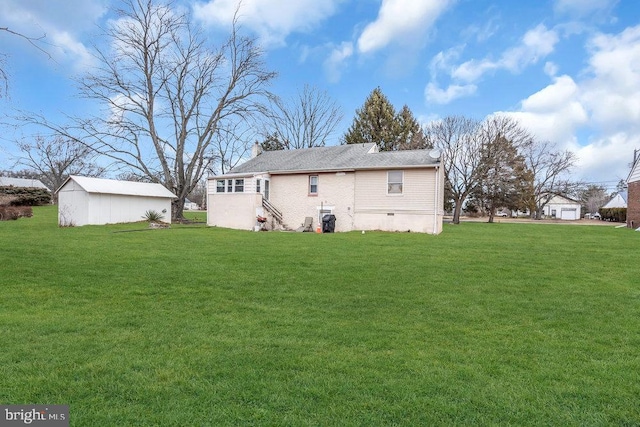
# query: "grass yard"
485 324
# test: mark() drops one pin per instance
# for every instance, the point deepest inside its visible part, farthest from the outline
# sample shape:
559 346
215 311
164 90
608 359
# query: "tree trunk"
177 209
456 212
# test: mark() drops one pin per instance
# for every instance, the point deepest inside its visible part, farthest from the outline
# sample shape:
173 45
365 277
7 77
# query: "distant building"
83 200
21 182
561 207
619 201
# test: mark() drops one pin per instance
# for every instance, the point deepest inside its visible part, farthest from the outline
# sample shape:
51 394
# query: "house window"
220 186
394 182
313 185
239 186
229 186
258 185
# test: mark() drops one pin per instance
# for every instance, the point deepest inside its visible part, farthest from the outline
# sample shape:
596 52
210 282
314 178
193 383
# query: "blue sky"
568 70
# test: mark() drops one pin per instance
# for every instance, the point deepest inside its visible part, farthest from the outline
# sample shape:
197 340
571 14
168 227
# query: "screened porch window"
239 186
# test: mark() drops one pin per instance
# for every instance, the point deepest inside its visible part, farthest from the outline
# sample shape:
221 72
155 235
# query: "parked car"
592 216
502 214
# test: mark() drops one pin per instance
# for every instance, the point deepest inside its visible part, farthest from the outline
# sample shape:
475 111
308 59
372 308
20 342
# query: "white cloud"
61 24
607 158
606 102
272 20
400 20
536 44
335 63
443 60
434 94
550 69
583 7
613 92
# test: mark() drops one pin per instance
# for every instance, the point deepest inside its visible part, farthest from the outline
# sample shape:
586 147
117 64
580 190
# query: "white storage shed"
83 200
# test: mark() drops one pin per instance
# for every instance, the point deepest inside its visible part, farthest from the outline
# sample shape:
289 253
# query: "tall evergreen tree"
375 122
411 136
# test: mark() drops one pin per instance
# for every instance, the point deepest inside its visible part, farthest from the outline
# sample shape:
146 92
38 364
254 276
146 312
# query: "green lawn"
485 324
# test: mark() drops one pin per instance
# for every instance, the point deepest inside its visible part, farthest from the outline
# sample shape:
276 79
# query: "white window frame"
317 179
238 185
221 189
258 182
395 183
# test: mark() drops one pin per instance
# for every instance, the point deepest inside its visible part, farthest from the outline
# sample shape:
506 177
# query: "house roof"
21 182
334 158
558 199
617 201
126 188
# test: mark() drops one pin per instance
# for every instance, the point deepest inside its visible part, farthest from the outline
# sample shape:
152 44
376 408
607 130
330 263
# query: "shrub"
14 212
23 196
153 216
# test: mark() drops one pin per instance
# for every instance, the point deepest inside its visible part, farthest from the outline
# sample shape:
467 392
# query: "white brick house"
364 188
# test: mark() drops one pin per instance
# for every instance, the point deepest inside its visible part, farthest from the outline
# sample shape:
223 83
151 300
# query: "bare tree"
53 160
167 94
230 145
304 121
458 138
4 76
593 197
549 174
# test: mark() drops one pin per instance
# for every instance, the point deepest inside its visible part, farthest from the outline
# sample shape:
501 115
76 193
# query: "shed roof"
21 182
126 188
341 157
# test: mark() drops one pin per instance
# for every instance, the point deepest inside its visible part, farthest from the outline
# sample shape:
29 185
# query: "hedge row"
613 214
22 196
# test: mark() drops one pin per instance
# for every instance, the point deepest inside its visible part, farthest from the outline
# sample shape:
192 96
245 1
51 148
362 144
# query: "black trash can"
328 223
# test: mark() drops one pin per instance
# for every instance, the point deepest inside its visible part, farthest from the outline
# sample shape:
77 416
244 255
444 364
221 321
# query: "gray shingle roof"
340 157
21 182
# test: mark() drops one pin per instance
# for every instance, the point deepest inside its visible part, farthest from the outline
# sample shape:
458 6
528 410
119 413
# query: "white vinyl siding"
395 182
313 185
635 173
418 191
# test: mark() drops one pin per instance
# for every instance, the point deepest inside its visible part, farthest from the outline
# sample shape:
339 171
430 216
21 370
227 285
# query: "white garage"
83 200
561 207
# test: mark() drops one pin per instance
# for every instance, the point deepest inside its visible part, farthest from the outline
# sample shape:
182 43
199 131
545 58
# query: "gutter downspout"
436 203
